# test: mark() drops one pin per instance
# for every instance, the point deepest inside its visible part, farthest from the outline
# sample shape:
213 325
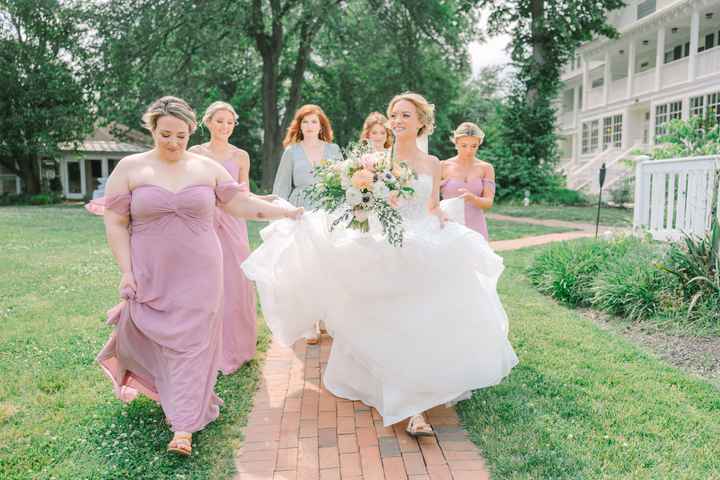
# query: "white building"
81 165
618 94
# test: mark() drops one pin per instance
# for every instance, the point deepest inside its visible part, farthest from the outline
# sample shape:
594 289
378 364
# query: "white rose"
353 196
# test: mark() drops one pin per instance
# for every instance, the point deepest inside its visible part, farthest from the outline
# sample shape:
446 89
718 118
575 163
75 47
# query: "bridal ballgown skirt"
413 327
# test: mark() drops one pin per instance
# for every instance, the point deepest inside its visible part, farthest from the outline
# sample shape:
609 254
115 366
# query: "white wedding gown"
413 327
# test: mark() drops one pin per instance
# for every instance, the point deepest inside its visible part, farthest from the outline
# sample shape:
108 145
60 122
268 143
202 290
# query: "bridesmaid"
167 328
467 177
376 132
239 301
307 142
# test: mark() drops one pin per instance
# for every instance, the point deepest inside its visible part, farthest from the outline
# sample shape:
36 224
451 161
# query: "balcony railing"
618 90
708 62
644 82
594 98
675 72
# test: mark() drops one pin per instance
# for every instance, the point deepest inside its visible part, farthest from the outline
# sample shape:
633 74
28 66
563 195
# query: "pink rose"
368 162
362 179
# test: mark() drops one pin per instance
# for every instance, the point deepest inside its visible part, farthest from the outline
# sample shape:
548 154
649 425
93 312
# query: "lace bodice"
416 208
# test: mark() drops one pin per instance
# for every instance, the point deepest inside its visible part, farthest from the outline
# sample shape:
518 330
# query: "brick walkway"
297 430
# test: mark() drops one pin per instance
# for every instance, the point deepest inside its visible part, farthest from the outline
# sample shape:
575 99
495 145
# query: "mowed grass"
58 416
609 216
584 403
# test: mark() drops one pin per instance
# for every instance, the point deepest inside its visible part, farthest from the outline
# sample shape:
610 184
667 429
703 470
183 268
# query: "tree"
357 68
272 55
545 34
42 101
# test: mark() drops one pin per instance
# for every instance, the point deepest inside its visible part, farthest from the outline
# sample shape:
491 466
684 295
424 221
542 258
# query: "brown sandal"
418 427
318 333
181 444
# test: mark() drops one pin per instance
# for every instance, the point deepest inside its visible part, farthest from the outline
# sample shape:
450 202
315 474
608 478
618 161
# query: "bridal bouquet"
364 183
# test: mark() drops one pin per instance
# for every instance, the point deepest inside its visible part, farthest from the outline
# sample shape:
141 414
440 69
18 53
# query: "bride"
413 327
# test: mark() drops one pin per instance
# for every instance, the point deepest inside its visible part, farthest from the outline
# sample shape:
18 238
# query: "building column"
576 104
585 82
631 69
626 141
607 78
694 41
659 57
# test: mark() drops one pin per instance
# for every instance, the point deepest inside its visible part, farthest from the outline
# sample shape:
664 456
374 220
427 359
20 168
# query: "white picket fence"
673 197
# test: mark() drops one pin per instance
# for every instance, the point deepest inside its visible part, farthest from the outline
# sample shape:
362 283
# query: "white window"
697 106
594 135
617 130
664 113
706 105
607 132
585 138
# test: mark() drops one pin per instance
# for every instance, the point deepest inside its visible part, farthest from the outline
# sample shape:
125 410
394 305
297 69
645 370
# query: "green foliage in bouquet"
365 183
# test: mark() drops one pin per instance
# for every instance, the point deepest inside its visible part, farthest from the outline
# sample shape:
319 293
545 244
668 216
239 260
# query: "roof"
102 140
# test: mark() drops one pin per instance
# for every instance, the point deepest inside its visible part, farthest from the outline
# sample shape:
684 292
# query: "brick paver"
297 430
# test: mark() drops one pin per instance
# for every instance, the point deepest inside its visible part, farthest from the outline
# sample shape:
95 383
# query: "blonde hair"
468 129
425 110
376 118
294 132
172 106
216 107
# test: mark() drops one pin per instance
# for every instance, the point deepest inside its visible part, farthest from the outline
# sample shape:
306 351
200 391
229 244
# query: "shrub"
566 271
623 191
27 199
695 263
632 285
564 196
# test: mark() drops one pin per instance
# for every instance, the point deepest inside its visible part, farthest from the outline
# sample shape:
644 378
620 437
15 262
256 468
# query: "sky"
492 52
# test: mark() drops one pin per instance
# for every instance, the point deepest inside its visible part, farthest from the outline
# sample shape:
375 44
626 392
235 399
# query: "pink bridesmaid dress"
167 335
239 300
474 217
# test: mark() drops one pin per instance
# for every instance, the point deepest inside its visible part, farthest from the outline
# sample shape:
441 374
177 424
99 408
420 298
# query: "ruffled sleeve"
226 191
96 206
119 204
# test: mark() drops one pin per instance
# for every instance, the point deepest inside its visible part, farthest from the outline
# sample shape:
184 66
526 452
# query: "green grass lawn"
614 217
58 415
582 404
586 404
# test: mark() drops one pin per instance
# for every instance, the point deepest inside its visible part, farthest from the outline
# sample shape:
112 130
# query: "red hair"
376 118
294 132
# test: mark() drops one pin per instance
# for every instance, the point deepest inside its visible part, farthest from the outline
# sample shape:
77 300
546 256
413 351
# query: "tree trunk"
30 175
537 27
271 124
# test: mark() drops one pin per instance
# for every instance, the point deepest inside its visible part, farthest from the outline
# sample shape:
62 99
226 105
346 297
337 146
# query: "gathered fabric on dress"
413 327
474 216
166 341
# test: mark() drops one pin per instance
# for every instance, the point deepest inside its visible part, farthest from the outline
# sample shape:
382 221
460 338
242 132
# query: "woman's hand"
294 213
467 195
442 216
127 285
